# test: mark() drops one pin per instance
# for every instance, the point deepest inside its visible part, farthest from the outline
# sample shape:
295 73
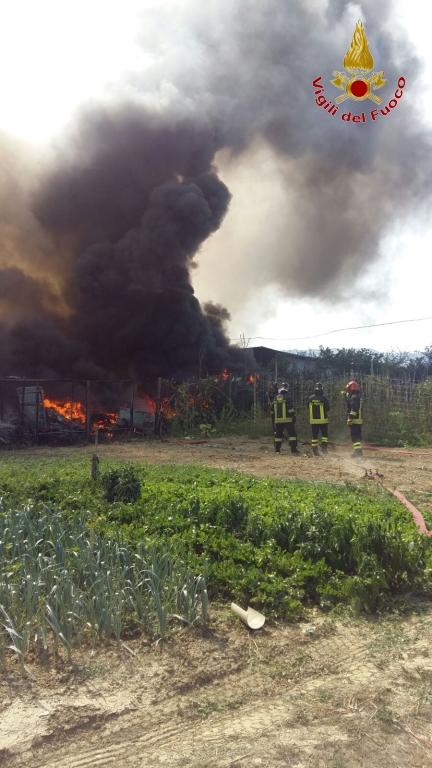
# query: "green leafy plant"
121 484
206 429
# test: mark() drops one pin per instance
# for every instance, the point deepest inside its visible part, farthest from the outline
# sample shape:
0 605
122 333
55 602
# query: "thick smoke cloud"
128 211
248 67
99 263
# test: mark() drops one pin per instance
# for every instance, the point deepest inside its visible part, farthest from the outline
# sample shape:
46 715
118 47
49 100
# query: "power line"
335 330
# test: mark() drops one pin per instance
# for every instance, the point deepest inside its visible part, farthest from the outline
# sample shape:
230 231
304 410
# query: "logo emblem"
358 62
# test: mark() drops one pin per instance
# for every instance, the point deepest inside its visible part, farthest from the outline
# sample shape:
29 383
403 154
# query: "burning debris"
28 413
67 409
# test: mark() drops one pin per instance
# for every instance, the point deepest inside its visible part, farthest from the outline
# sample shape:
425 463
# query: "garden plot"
327 690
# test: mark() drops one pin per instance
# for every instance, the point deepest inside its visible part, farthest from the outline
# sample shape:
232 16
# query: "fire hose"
387 448
417 516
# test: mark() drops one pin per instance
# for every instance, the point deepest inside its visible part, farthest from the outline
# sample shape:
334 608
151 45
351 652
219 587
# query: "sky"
47 77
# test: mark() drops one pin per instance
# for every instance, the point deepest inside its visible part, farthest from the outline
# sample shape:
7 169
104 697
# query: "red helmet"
352 386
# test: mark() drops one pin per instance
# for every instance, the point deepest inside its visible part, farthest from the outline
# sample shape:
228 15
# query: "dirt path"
410 471
327 694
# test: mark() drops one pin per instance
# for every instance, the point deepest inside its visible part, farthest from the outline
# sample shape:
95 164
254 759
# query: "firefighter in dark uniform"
318 418
355 419
284 420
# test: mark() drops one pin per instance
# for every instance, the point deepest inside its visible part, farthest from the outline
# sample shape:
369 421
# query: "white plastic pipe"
252 618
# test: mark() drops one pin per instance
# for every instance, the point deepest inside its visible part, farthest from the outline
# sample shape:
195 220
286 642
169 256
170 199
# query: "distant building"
280 364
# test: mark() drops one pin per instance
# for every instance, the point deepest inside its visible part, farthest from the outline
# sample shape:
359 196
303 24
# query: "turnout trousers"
316 429
356 439
289 429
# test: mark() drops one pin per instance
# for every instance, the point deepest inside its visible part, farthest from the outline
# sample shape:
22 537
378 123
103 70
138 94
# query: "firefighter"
355 419
318 418
284 420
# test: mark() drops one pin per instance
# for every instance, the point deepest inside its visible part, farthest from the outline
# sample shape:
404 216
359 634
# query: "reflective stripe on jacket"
318 410
283 410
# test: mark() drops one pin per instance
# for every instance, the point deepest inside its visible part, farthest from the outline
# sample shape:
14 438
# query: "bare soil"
332 693
408 470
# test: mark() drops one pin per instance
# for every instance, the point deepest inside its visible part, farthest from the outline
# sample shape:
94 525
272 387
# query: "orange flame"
167 410
144 401
107 419
75 411
67 409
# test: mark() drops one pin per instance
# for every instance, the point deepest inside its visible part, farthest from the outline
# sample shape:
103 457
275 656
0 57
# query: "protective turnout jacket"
354 407
283 409
318 409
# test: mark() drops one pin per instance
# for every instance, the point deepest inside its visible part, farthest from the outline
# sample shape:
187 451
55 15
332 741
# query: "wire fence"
396 412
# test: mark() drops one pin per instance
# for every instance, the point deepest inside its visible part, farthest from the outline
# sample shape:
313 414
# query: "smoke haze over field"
98 243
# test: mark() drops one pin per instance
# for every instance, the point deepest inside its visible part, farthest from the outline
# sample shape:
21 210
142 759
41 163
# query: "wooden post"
254 399
22 402
95 467
87 414
132 406
95 458
158 402
37 415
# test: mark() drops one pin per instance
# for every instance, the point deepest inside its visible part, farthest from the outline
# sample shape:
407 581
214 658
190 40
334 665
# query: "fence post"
254 399
158 402
95 458
22 402
37 415
87 415
132 406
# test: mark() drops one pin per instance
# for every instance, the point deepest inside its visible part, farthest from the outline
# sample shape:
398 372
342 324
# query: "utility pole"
244 342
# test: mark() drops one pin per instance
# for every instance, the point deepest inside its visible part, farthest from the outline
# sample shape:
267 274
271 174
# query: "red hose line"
388 448
416 514
372 447
185 442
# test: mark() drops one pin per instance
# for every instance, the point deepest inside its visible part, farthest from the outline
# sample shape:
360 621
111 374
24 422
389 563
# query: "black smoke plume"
96 262
128 211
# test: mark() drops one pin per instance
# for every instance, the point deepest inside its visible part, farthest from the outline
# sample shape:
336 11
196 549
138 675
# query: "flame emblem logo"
358 62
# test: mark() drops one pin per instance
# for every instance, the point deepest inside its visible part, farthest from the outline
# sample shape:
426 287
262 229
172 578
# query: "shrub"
121 484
